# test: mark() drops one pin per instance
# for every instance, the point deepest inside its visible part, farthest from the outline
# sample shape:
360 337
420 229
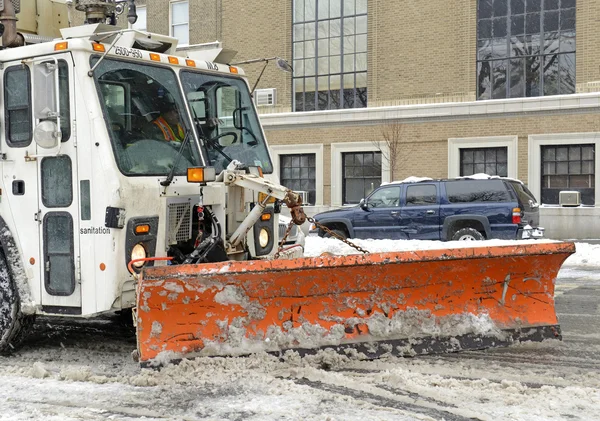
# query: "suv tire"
339 232
467 234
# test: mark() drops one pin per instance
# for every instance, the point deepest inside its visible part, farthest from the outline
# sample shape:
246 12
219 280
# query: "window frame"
44 197
535 159
145 9
7 110
364 178
289 181
485 163
48 253
502 44
317 149
316 96
172 25
510 142
568 174
337 149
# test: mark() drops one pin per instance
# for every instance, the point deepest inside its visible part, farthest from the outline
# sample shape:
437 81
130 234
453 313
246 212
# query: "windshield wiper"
215 145
167 182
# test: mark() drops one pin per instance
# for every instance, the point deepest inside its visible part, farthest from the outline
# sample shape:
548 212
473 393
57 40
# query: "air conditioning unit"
265 97
569 198
304 196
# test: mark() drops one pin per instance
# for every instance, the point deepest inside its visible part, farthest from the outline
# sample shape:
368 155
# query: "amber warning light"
201 174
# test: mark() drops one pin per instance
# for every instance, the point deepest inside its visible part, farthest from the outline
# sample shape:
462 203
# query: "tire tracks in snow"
393 398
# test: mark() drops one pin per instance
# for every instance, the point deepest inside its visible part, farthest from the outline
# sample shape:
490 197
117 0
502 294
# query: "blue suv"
454 209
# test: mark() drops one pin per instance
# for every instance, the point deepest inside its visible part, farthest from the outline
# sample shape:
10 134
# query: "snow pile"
315 246
587 255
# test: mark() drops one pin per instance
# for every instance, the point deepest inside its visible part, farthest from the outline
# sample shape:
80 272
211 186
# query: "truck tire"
13 323
339 232
467 234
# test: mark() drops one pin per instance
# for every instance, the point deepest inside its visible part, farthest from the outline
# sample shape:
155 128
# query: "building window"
180 27
330 54
568 167
361 175
525 48
298 172
140 23
490 161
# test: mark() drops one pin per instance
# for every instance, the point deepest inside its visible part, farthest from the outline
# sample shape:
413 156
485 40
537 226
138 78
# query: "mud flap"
402 303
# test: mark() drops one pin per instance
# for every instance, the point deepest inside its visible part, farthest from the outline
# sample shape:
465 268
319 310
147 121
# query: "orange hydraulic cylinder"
234 308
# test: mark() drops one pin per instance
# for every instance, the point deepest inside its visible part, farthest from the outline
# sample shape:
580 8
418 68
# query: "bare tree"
390 146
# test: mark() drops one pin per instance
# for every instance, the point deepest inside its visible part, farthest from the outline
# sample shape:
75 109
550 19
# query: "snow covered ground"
84 371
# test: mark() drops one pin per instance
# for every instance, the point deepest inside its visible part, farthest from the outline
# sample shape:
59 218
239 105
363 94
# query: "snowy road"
84 371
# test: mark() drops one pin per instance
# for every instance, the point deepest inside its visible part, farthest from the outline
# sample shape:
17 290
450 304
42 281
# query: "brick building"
386 89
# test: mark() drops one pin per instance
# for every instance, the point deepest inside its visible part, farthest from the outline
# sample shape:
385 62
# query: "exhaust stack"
8 21
105 11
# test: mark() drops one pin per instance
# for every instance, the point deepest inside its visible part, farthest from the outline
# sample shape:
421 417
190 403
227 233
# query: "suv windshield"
146 118
226 120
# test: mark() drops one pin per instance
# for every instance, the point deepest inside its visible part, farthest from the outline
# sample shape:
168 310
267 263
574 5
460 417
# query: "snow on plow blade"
401 303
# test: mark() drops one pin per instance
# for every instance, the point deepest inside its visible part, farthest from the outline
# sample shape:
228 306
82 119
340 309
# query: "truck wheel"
13 323
467 234
338 232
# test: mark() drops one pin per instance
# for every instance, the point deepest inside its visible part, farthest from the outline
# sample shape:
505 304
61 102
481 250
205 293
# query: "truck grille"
179 222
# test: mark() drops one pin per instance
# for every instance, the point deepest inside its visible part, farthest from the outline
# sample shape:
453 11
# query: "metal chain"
324 228
339 237
282 242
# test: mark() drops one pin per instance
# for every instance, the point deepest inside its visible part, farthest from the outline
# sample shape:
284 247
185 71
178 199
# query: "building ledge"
438 110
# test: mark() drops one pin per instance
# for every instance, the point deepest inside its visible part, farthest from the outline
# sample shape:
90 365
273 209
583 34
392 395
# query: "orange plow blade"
401 303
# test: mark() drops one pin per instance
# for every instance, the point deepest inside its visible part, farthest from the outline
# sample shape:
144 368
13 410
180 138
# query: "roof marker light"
173 60
233 70
154 57
61 46
190 63
96 46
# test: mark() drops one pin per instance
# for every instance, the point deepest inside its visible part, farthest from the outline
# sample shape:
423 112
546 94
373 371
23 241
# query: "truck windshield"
226 120
146 118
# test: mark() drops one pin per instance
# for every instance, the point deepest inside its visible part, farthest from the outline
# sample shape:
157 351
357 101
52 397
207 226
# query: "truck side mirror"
46 90
46 108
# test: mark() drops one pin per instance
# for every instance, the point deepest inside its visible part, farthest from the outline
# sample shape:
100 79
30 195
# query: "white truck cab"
90 181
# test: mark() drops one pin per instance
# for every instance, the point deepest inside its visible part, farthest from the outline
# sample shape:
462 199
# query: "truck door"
58 200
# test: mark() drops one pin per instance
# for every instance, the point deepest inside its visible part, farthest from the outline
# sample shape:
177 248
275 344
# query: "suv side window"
468 191
385 197
425 194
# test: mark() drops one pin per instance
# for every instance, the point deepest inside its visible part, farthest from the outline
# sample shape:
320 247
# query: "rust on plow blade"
401 303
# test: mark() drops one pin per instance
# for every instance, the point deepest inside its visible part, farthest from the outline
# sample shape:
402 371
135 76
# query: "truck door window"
57 190
420 195
58 245
17 106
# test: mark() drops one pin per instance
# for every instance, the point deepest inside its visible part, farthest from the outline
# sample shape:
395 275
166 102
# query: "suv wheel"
467 234
338 232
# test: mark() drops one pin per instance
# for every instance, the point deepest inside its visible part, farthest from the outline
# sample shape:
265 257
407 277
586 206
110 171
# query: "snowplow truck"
137 176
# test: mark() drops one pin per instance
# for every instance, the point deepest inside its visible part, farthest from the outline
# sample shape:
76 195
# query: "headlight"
138 252
263 238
